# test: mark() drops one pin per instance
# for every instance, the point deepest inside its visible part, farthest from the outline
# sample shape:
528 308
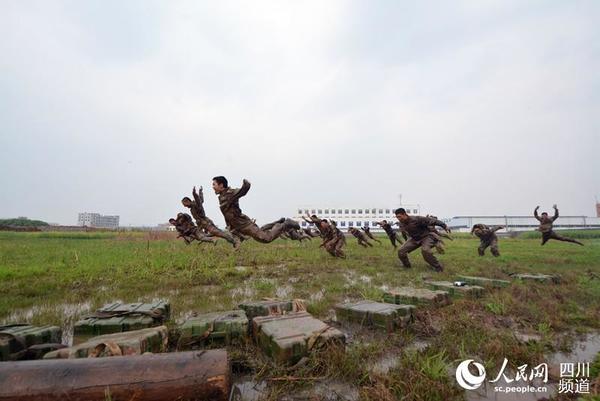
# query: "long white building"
521 223
353 216
97 220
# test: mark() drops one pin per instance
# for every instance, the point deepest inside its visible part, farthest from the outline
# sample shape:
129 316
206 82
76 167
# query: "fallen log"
156 377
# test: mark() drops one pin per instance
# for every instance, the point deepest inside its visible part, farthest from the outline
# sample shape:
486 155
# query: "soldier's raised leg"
554 235
213 230
269 235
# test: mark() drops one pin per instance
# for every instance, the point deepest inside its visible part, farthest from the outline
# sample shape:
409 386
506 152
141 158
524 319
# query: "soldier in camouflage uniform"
204 223
290 233
336 240
311 233
420 236
360 236
239 222
391 233
487 238
367 231
187 229
546 227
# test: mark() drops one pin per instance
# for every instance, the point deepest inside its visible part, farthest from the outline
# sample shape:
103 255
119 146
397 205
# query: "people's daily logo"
468 380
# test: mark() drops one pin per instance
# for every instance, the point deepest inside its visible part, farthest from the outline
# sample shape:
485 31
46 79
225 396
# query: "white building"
97 220
354 216
521 223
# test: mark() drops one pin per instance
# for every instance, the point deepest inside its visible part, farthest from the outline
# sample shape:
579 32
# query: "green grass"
53 278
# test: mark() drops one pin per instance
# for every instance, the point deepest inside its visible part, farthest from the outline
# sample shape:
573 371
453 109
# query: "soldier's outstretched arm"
430 221
496 228
555 213
535 213
238 193
198 196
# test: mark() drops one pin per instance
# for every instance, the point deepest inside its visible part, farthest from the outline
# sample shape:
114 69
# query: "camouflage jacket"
418 227
230 207
545 222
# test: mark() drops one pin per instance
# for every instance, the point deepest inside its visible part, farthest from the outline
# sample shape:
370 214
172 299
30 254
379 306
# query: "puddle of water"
527 337
284 292
417 345
245 293
247 389
385 363
388 361
584 350
317 296
326 391
67 313
350 280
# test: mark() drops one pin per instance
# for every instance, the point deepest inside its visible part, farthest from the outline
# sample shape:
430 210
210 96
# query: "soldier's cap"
400 210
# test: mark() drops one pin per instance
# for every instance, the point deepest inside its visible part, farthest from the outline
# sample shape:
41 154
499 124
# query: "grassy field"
53 278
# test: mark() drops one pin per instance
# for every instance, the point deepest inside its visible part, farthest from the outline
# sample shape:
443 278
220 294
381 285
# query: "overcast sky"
474 107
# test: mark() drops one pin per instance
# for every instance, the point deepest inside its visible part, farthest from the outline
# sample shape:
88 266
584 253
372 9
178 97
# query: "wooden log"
203 375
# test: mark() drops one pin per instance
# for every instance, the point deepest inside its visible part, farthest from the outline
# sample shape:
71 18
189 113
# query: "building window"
415 211
299 211
373 211
366 224
350 224
358 223
304 224
320 211
387 211
359 211
347 211
353 211
380 211
343 224
339 211
326 211
373 223
306 211
313 211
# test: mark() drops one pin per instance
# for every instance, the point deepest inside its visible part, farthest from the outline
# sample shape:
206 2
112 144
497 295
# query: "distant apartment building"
97 220
354 216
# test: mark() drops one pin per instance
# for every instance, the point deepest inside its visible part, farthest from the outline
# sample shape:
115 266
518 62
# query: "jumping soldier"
204 223
367 231
360 236
187 230
239 222
391 233
420 236
487 238
546 227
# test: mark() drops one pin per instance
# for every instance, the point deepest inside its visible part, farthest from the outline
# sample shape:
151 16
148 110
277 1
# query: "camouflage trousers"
491 243
426 244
